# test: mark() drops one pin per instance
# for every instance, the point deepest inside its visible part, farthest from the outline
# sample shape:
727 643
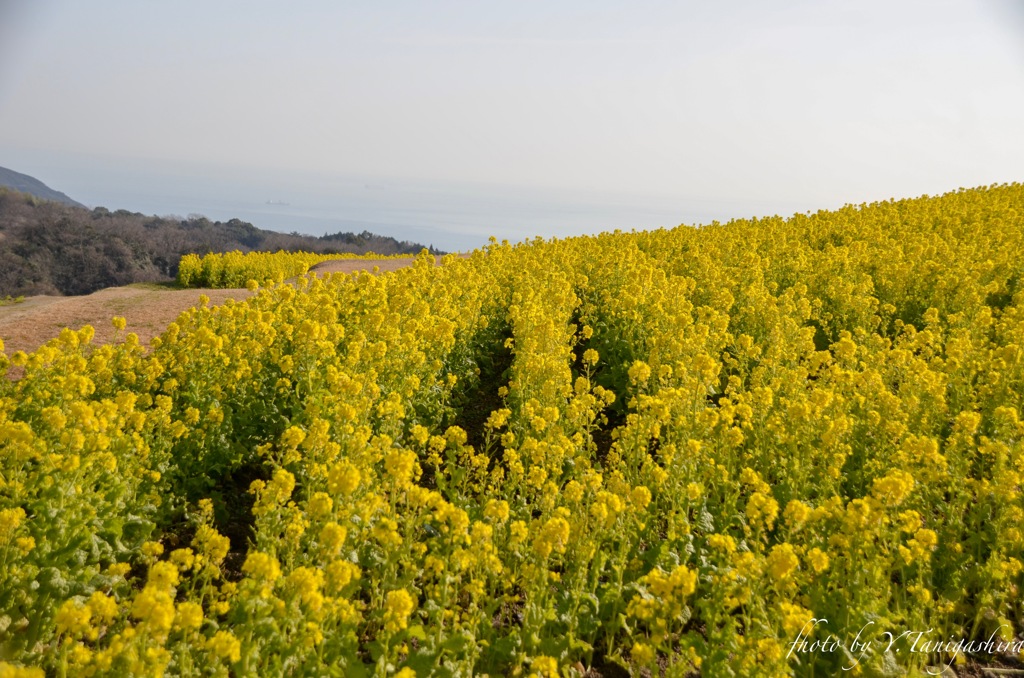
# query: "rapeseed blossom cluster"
235 269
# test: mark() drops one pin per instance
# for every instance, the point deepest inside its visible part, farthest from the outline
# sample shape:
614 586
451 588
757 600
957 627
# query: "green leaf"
457 643
51 582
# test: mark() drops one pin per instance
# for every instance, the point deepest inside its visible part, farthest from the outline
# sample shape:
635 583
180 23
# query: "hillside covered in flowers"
665 451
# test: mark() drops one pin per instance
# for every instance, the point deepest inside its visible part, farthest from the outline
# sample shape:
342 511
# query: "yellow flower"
552 537
279 489
183 558
496 510
420 434
545 667
189 616
292 437
751 479
682 581
155 608
818 560
332 536
386 532
762 508
225 645
54 418
80 655
927 538
305 582
722 542
498 418
782 562
320 505
103 607
152 549
845 348
343 478
797 513
163 575
640 496
518 532
643 654
73 618
398 605
400 466
262 567
455 435
211 543
12 671
769 650
10 520
639 372
794 618
481 532
893 488
909 521
119 569
339 574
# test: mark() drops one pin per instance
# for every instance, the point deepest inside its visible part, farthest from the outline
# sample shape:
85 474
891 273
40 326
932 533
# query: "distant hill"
32 186
49 247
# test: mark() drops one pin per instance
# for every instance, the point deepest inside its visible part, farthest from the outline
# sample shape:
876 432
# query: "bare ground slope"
148 310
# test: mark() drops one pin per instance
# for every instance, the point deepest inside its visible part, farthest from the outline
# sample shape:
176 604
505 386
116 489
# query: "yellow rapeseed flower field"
767 447
234 269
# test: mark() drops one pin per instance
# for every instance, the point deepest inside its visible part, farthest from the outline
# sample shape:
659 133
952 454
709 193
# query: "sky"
736 106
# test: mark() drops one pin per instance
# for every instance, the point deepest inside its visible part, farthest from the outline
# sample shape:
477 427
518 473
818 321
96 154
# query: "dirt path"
148 309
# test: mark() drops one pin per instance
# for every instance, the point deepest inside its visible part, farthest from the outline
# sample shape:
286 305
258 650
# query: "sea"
448 215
